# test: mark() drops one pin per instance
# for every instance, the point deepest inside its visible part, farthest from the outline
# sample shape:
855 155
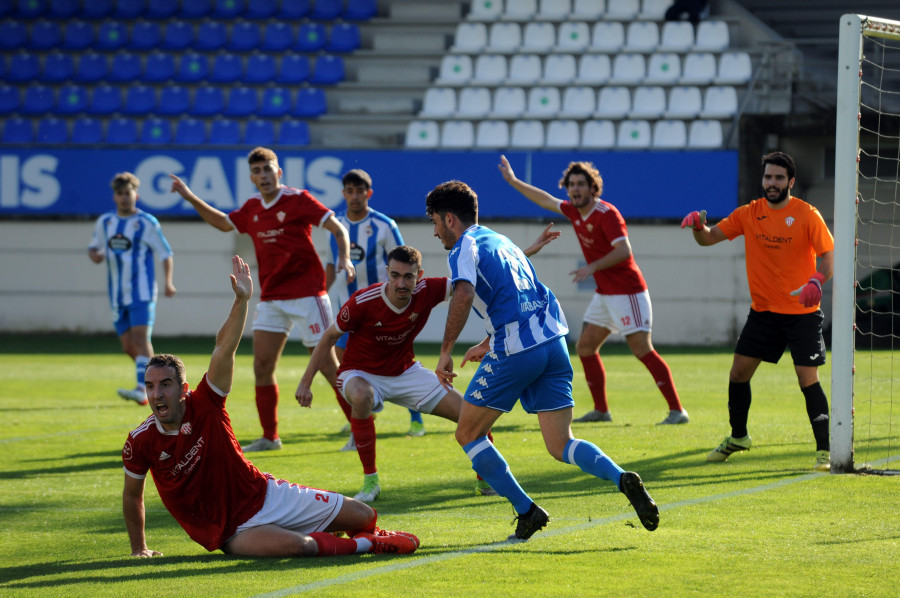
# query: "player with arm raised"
219 498
523 359
372 237
783 236
621 302
279 220
382 322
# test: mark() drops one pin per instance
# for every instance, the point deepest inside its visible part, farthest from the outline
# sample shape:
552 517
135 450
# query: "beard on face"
781 196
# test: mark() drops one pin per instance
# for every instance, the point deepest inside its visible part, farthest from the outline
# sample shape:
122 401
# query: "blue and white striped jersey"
519 311
371 240
130 245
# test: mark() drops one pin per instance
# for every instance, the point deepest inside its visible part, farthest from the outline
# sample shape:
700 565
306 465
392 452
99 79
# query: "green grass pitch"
761 524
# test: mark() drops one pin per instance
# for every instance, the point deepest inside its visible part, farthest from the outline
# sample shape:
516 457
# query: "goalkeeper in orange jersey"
783 236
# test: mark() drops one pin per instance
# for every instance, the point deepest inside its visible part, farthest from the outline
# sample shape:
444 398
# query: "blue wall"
642 185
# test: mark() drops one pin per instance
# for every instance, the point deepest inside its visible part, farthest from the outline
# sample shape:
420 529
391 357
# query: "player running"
523 358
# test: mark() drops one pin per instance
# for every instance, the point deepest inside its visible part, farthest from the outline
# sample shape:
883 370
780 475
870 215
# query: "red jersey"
381 336
200 472
596 234
289 266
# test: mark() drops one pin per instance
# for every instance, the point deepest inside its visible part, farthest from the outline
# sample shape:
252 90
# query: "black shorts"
766 334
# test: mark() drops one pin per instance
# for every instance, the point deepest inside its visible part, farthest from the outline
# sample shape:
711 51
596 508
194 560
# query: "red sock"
342 403
595 375
267 406
331 545
663 376
364 434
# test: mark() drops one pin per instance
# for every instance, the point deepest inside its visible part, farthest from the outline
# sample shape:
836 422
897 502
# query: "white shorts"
294 507
621 313
417 388
313 314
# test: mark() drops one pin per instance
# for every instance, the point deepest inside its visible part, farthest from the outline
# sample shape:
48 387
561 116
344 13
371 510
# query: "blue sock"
415 416
140 365
490 464
592 460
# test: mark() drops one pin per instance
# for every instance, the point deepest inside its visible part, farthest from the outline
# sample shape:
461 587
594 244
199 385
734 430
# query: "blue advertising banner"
642 185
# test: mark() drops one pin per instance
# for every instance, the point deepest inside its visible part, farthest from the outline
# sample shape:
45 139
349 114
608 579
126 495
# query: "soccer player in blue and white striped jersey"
523 358
130 240
373 236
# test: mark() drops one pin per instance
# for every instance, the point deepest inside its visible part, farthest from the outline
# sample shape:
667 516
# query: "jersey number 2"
322 497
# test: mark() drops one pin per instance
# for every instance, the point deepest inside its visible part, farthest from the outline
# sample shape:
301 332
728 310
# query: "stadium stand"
52 130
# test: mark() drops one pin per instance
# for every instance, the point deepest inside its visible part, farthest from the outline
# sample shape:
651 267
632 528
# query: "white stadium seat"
527 134
470 37
613 101
559 69
422 134
524 69
509 102
474 102
455 69
492 133
598 134
593 69
439 102
669 134
458 134
633 134
685 101
562 134
705 134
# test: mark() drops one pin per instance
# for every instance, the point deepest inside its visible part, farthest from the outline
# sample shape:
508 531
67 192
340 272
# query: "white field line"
495 546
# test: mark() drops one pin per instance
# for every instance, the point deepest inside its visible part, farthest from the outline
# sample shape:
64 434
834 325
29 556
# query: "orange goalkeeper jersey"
781 248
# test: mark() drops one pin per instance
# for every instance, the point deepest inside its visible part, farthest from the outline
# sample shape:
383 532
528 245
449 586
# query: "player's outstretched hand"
811 292
506 170
581 274
696 220
444 371
145 553
241 282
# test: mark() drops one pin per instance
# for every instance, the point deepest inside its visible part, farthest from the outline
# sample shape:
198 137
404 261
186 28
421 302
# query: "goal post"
866 202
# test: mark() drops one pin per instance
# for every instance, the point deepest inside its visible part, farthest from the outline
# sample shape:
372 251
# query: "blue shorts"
136 314
342 342
541 377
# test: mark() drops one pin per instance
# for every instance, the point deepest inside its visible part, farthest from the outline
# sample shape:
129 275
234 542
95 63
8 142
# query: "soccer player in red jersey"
218 497
784 237
622 301
379 364
279 219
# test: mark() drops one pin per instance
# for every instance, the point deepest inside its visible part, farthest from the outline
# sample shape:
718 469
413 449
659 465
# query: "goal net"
865 422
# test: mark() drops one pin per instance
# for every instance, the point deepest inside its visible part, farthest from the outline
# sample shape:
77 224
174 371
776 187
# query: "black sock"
738 407
817 410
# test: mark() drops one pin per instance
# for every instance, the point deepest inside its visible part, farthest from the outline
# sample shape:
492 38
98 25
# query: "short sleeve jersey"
130 245
200 472
289 266
519 311
781 248
596 233
381 336
371 240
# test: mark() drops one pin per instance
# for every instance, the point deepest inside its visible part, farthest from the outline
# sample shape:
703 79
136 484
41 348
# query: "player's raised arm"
538 196
318 357
133 512
211 215
221 364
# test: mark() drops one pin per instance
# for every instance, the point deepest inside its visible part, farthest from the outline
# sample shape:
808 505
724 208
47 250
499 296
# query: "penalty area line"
495 546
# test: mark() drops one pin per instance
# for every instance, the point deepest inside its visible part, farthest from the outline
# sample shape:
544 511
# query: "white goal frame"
853 30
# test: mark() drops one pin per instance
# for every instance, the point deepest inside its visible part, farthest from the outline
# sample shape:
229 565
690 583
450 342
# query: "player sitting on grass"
220 499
